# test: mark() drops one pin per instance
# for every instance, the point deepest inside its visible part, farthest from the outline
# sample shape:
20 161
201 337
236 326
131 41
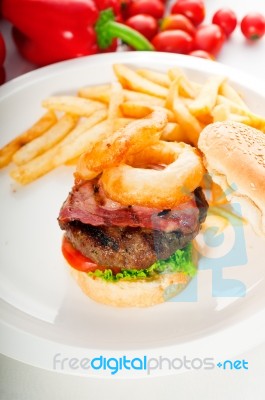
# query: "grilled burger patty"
134 247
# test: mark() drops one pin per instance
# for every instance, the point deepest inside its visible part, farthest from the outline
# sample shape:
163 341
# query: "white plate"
43 312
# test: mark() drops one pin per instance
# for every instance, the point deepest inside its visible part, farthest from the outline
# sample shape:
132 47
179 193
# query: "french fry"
187 88
218 196
231 105
205 119
131 95
131 80
65 151
73 105
140 109
103 94
206 99
102 109
173 133
220 113
72 162
82 143
56 156
36 130
190 125
230 93
83 125
121 122
35 168
187 121
215 221
116 99
173 91
156 77
134 109
97 92
51 137
176 73
244 119
46 162
256 121
223 212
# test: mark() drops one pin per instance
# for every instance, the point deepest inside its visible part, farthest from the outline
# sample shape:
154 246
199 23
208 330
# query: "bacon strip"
87 203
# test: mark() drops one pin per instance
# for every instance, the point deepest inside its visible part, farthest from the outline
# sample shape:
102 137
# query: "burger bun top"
234 155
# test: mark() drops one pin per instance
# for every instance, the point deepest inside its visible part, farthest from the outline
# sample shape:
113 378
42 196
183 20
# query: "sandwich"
134 255
234 155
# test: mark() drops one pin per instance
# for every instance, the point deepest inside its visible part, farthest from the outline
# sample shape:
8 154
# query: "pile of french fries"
73 124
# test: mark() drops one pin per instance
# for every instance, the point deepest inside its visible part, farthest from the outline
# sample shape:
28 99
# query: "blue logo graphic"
218 249
234 254
233 365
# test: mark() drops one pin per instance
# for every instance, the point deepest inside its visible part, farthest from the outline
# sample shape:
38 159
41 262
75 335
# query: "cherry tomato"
155 8
201 54
145 24
192 9
173 41
124 8
226 19
253 26
104 4
178 21
209 38
2 50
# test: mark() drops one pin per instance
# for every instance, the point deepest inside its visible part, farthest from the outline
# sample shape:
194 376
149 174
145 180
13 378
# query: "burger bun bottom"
138 293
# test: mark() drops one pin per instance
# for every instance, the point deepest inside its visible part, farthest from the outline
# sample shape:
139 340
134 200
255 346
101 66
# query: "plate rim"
232 332
134 57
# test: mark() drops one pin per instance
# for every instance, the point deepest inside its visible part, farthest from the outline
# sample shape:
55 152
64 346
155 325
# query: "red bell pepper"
2 59
2 50
47 31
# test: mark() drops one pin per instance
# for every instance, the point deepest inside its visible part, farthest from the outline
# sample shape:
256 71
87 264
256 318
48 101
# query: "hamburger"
131 255
234 155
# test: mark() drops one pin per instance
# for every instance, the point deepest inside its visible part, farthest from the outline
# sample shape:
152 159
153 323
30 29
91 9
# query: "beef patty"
132 247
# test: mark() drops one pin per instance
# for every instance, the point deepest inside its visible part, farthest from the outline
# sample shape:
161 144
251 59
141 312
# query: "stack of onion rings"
114 149
164 188
124 159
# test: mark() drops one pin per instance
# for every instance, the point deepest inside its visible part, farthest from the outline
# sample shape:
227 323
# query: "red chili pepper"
47 31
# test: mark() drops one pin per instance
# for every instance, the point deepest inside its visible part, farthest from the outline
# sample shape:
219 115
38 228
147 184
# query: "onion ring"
114 149
157 154
156 188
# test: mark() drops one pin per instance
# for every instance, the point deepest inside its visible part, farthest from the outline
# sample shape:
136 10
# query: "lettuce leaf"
180 261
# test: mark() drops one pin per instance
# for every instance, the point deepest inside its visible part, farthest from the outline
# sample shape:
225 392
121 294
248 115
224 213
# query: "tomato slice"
76 259
80 262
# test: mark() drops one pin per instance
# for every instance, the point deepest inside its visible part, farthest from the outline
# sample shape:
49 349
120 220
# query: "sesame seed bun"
234 154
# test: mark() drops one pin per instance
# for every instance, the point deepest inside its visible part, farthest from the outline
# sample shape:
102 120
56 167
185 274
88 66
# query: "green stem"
108 29
128 35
